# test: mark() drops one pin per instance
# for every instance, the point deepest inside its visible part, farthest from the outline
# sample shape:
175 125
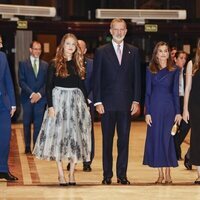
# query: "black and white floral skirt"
67 136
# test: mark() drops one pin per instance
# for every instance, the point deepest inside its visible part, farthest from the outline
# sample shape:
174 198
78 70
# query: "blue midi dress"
162 103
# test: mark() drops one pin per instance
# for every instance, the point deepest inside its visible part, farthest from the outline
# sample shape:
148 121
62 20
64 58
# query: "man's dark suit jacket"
88 80
6 85
7 100
29 83
116 86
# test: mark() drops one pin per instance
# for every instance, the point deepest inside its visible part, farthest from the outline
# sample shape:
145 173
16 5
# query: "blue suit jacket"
88 79
6 84
29 83
117 86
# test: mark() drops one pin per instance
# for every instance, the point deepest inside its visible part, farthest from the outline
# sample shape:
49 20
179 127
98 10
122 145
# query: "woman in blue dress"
162 111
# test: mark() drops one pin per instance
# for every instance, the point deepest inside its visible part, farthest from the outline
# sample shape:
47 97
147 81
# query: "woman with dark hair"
191 108
66 129
162 111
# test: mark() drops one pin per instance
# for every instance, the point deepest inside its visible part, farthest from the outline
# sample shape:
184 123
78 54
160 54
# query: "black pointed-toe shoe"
62 181
87 168
28 151
106 181
123 181
72 183
8 176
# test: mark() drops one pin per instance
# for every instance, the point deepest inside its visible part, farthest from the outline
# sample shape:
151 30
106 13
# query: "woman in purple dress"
162 111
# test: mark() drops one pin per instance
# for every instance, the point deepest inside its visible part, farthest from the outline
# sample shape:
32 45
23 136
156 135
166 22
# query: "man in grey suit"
116 96
32 80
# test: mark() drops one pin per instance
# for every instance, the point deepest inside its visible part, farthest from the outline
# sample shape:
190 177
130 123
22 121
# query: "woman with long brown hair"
191 108
162 111
65 132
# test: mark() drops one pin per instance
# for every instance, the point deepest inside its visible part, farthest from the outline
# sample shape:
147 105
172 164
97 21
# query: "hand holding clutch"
174 129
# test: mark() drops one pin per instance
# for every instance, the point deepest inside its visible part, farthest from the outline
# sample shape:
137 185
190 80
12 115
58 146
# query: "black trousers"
121 120
180 136
92 136
181 133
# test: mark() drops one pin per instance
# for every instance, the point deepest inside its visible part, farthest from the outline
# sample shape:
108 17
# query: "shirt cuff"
13 107
89 101
98 103
39 94
31 95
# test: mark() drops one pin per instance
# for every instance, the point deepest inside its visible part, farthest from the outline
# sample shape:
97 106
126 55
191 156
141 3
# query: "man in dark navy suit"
7 109
32 80
180 60
116 97
88 85
182 131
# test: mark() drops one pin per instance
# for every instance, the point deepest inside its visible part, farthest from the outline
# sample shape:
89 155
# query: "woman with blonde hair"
65 132
191 108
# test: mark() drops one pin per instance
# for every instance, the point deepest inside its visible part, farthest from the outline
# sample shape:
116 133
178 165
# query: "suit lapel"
39 69
110 52
125 55
31 67
112 55
1 68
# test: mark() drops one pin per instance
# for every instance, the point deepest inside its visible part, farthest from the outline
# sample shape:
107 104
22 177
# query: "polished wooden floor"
38 179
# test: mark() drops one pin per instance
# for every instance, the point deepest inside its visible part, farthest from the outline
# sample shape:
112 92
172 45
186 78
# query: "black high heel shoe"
62 181
72 181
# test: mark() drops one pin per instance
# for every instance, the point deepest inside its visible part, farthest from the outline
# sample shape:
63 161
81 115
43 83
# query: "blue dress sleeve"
148 91
176 91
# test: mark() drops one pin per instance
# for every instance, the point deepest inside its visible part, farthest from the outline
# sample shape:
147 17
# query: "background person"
88 85
180 60
32 80
191 108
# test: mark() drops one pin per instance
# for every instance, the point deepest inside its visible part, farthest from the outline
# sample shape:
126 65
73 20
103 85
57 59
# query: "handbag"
174 129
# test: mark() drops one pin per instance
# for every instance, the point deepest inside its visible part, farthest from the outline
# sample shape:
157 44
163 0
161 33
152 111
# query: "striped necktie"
119 54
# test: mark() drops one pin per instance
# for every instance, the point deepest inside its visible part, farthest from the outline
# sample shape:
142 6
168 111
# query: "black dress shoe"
87 168
123 181
8 176
197 182
106 181
187 164
28 151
